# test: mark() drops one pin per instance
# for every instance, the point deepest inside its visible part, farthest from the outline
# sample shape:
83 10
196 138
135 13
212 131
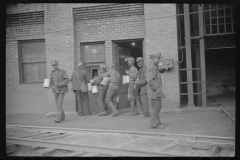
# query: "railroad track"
118 143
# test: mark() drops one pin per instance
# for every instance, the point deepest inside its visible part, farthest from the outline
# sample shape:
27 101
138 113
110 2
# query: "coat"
154 82
114 76
142 79
84 78
59 81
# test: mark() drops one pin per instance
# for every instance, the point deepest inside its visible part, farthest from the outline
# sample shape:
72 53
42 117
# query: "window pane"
214 28
221 20
26 57
228 19
35 72
214 21
221 28
101 52
227 11
93 52
42 74
41 57
34 57
33 48
27 72
228 27
42 66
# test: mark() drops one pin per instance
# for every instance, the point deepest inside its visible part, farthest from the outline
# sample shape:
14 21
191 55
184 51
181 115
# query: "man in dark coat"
154 88
58 83
79 79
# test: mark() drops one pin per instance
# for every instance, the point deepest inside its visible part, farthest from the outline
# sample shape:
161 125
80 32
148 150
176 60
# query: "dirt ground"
210 121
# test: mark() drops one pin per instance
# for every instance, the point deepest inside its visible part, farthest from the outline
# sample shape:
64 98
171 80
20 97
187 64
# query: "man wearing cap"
132 91
112 91
154 88
102 90
141 82
58 83
79 79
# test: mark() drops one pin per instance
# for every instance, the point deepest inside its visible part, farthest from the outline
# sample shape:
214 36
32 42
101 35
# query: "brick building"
100 33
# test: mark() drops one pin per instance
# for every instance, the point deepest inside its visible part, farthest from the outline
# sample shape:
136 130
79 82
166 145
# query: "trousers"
143 104
82 103
112 93
156 107
59 104
101 98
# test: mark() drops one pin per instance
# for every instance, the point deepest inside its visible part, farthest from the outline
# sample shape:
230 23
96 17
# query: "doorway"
121 50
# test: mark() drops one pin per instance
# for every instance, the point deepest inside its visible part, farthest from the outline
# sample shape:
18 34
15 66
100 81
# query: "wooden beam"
188 53
202 54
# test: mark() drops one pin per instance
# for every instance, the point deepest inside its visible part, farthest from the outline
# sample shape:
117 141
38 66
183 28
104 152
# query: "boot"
114 111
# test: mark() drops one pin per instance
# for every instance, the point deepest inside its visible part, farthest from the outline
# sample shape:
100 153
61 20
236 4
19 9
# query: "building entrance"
122 50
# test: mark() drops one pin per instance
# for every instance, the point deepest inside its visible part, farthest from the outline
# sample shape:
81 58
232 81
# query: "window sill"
31 82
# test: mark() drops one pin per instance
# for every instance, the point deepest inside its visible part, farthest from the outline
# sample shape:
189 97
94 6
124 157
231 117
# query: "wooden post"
202 55
188 54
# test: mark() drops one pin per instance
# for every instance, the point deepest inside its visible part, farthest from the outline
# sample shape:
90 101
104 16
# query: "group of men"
144 84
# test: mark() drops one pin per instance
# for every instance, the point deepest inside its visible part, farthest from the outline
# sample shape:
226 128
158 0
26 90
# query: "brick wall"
22 97
161 35
108 23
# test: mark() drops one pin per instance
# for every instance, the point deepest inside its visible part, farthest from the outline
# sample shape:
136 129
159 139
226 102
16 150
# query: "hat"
111 65
129 59
80 64
102 66
156 55
139 59
54 62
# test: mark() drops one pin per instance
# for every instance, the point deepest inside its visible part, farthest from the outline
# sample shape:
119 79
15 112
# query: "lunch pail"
125 79
94 89
89 86
46 83
105 81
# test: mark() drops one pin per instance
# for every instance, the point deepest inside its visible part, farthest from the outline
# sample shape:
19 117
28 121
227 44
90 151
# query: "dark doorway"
122 50
221 75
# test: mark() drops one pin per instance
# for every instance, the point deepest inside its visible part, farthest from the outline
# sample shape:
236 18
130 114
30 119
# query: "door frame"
123 40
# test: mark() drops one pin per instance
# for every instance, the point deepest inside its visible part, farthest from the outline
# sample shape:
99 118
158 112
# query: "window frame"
92 43
20 60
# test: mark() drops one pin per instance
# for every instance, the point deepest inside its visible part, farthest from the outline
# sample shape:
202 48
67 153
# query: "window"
219 18
32 61
93 52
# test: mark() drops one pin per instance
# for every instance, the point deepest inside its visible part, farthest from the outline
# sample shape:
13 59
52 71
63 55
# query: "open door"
120 54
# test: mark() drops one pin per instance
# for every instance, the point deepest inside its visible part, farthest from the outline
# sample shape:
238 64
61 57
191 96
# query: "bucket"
105 81
46 83
94 89
89 86
125 79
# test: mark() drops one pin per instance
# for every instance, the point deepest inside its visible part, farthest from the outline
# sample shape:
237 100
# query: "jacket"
142 79
154 82
59 81
99 79
83 77
133 72
114 76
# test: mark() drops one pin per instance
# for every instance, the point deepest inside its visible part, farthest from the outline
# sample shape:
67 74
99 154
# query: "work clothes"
155 93
58 83
112 91
154 81
79 79
156 107
143 100
102 91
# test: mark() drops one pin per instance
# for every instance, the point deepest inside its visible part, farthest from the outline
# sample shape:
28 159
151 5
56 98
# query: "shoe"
99 114
62 119
162 126
129 114
113 114
103 113
57 121
141 116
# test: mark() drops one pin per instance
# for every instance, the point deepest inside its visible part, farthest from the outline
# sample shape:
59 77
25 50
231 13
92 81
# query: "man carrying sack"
79 79
58 83
102 89
112 91
132 90
154 88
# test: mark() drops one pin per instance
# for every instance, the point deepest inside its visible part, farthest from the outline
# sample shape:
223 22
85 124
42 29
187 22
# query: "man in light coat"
58 83
112 91
79 79
102 90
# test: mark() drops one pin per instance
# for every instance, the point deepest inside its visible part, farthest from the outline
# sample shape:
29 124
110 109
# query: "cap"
111 65
80 64
54 62
139 59
156 55
129 59
102 66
